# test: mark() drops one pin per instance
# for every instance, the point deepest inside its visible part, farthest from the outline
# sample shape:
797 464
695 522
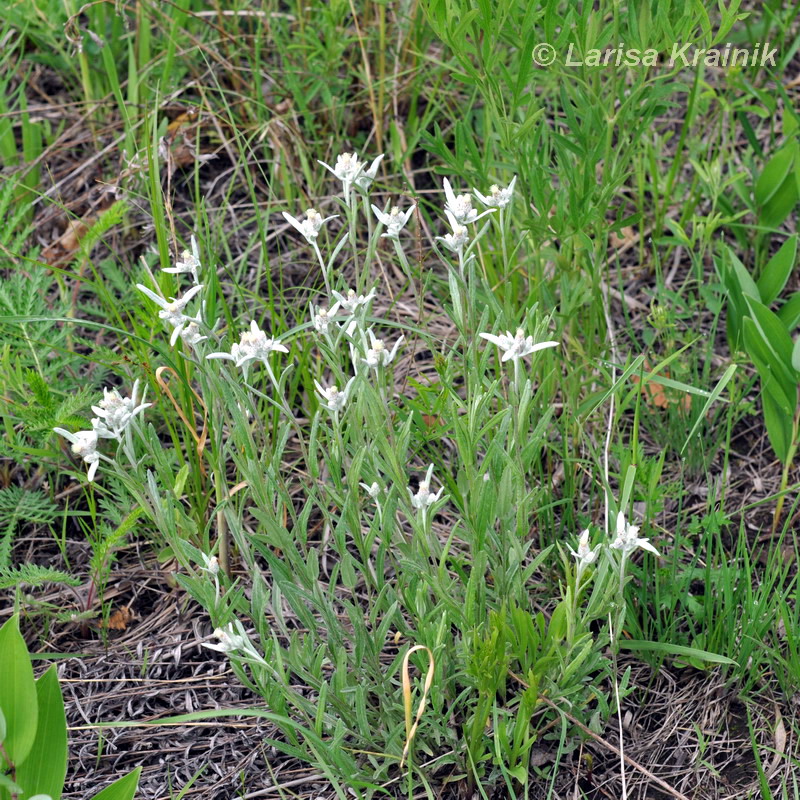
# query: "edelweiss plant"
305 441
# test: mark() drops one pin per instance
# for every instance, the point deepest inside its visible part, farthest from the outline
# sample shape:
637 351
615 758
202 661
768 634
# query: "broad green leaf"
796 355
747 285
557 629
123 789
769 345
763 359
779 426
774 174
772 329
675 650
737 283
781 204
777 271
17 692
789 312
180 480
45 768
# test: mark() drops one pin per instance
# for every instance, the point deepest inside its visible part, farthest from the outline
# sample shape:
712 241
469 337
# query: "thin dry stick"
411 730
606 449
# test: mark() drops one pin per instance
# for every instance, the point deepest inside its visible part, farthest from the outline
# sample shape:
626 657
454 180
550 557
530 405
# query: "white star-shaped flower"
323 317
254 345
628 538
346 169
191 334
424 497
351 301
172 311
311 225
228 640
518 346
210 564
115 412
457 240
373 490
460 206
377 355
365 178
394 221
190 262
584 555
234 639
332 399
84 445
497 198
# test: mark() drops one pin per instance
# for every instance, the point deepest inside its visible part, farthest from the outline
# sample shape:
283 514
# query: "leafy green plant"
777 190
17 505
33 729
766 336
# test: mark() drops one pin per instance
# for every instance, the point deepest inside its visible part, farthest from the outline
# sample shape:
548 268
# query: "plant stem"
776 518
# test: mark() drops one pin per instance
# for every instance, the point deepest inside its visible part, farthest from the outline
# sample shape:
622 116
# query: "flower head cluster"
628 538
84 445
457 240
373 489
517 346
234 639
497 198
323 317
191 334
424 497
394 221
210 564
350 302
228 640
173 311
332 399
310 226
352 172
460 206
584 554
254 345
115 412
189 262
377 355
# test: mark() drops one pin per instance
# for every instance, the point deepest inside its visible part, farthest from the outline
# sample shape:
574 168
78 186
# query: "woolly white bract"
115 413
459 207
628 539
172 311
517 346
84 445
394 221
311 225
254 345
497 198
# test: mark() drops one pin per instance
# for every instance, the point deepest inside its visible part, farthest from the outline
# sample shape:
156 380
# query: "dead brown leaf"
119 619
